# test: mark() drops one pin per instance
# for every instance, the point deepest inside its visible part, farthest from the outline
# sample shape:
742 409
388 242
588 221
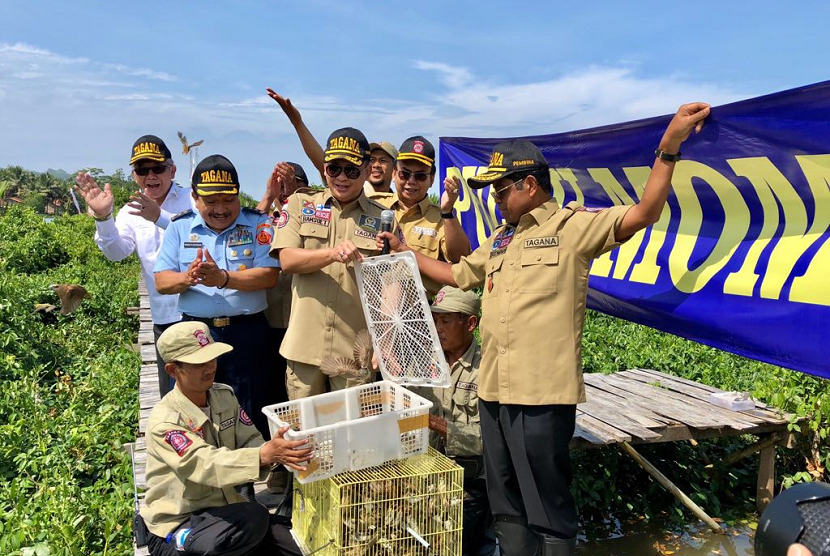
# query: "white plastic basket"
355 428
400 322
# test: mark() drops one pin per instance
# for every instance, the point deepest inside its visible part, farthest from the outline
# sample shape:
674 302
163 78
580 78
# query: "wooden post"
759 446
766 478
670 486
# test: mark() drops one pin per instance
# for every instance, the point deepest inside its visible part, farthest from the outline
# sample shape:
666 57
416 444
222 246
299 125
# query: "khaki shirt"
193 462
423 230
326 312
279 302
458 405
535 280
370 191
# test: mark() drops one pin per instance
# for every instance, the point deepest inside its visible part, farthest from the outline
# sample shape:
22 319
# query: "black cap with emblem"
349 144
419 149
215 175
510 157
149 147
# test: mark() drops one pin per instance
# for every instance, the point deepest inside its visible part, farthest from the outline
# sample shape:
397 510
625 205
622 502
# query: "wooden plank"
671 382
702 412
608 415
148 354
640 414
766 478
650 397
601 432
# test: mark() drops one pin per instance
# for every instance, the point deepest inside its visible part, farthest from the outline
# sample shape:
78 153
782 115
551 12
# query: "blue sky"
80 81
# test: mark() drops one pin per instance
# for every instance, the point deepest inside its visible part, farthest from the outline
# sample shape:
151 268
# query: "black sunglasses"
352 172
157 170
406 174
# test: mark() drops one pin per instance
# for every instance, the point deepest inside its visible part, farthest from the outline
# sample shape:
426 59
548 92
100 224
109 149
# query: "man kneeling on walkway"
200 445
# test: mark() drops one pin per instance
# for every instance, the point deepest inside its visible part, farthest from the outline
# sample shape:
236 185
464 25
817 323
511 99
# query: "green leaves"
67 393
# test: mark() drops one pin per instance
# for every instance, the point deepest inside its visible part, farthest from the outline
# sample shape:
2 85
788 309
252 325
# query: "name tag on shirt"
193 244
420 230
227 423
550 241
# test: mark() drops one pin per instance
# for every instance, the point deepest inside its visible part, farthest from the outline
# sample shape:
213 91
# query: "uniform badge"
439 297
233 253
194 237
418 147
247 252
193 245
264 237
424 231
369 223
242 267
468 386
178 440
227 423
283 219
549 241
191 425
308 208
590 209
202 338
490 284
243 418
241 235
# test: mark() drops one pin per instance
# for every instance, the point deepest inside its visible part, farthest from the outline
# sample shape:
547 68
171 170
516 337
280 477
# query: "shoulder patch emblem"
244 419
264 236
178 440
283 219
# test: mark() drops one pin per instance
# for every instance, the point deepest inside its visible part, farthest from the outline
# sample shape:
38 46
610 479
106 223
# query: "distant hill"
62 175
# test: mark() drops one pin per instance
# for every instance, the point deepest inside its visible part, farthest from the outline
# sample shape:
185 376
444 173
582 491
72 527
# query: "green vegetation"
608 483
67 392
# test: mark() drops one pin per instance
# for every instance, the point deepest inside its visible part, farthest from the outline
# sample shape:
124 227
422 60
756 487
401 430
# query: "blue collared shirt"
244 244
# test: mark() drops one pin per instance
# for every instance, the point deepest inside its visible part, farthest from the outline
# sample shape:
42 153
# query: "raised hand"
209 272
98 200
452 185
688 117
285 103
144 206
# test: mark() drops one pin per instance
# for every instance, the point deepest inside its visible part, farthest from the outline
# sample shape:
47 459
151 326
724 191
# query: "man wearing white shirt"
140 224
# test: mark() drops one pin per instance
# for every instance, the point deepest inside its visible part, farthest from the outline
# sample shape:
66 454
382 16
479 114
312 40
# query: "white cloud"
68 113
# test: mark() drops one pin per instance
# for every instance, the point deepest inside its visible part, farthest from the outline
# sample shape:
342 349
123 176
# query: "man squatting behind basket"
200 445
534 271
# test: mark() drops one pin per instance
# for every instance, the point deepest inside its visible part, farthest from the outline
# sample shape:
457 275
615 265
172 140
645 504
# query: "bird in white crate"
356 370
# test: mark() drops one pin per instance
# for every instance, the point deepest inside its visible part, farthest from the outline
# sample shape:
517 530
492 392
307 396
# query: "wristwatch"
668 157
447 215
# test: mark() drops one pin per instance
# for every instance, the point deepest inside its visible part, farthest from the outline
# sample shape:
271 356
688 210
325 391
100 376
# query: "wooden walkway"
636 406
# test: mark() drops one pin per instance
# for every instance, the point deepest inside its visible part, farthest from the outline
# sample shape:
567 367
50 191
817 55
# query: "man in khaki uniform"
200 445
454 420
431 230
319 237
534 271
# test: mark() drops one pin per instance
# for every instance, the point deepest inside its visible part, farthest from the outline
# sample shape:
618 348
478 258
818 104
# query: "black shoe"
553 546
516 539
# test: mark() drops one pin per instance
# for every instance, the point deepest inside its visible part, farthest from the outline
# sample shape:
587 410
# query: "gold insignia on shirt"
241 267
233 253
247 252
194 237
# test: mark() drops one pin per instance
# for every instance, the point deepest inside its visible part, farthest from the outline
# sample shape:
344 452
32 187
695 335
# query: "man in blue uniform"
217 260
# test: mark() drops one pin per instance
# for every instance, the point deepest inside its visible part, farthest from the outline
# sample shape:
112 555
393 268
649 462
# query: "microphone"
799 514
387 218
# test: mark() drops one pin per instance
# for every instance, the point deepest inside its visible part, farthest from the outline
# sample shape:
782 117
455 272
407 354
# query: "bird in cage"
357 370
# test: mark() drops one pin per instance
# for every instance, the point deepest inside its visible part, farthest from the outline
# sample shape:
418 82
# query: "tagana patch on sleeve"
283 219
178 440
244 419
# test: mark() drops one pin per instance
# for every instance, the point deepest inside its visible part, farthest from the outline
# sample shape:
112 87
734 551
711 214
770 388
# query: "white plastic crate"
400 322
355 428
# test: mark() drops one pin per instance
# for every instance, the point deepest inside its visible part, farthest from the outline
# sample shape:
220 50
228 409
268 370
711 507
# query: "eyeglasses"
404 175
496 194
352 172
156 170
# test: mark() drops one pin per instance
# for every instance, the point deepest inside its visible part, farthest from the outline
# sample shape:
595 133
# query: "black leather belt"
221 322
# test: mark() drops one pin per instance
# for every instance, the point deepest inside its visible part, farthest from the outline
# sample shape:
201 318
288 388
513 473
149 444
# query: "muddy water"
653 540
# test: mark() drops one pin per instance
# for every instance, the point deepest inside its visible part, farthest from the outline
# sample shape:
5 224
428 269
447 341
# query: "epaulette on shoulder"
250 210
182 214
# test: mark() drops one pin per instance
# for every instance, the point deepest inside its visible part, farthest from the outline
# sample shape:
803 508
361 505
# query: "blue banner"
740 258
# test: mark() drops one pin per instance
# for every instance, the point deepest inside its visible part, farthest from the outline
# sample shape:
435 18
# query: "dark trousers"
244 529
250 369
166 381
528 465
280 393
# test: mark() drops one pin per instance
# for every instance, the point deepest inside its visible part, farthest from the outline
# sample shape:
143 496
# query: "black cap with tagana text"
149 147
349 144
510 157
215 175
419 149
299 173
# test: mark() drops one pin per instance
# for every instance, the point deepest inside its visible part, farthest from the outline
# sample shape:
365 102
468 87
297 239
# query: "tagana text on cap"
455 300
149 147
215 175
419 149
386 147
349 144
510 157
189 342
